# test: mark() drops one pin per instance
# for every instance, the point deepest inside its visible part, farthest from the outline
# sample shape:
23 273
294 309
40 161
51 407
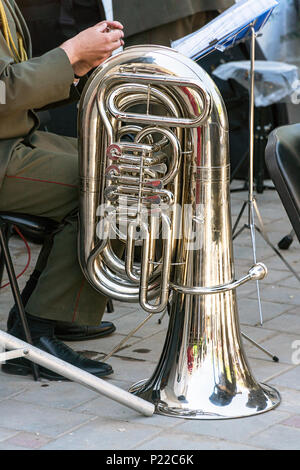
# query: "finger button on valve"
113 152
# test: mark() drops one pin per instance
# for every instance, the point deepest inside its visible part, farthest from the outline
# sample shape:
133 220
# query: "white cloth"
273 80
281 36
107 5
109 15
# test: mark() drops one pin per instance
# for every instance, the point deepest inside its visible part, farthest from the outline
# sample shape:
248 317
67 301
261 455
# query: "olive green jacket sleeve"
29 85
36 82
32 84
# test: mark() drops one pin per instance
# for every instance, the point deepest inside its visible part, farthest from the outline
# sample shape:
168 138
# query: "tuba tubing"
168 193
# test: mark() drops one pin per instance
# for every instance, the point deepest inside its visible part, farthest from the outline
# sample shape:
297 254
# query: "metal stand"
286 241
124 340
258 346
142 323
18 348
15 289
21 349
262 131
251 203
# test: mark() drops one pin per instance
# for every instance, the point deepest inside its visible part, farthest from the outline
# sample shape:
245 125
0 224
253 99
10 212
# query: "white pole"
77 375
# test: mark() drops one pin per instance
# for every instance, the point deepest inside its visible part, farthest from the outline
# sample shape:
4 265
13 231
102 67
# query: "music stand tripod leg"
124 340
250 201
238 220
264 350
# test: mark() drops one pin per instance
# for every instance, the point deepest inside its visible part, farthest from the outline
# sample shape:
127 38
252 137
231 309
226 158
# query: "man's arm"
92 46
38 82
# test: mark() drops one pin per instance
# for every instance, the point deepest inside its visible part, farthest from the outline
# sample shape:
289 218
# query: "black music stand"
245 33
251 201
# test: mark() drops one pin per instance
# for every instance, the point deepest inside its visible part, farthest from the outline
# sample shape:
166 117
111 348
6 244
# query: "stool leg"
110 306
15 290
286 241
7 232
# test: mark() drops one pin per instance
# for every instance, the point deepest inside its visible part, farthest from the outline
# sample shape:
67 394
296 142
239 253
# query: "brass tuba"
155 225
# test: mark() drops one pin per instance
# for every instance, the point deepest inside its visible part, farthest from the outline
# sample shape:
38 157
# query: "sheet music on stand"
231 26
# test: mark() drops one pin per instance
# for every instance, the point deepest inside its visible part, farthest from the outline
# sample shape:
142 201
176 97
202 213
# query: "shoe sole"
84 338
17 369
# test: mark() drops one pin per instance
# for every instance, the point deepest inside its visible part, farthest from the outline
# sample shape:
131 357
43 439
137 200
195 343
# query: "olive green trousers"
42 179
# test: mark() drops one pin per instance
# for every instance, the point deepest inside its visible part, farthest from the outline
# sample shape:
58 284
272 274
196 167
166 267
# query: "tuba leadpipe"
154 185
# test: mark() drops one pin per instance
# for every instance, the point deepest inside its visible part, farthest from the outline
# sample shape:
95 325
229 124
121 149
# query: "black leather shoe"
21 366
72 332
67 331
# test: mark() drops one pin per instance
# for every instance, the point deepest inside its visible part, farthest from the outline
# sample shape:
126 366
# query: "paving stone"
245 290
245 252
290 379
65 415
8 389
277 437
233 430
278 278
274 262
122 309
290 281
102 407
282 295
249 313
174 442
266 370
6 446
257 333
293 422
97 348
7 433
131 370
101 434
28 440
128 322
281 225
66 395
37 418
148 349
290 399
272 211
288 322
281 346
262 247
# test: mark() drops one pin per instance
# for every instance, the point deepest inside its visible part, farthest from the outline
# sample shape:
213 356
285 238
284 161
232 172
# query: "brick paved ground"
64 415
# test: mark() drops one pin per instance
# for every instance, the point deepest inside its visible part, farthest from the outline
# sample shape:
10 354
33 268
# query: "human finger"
115 35
115 24
101 26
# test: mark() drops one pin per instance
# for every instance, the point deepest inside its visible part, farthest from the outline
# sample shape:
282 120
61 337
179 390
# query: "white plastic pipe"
77 375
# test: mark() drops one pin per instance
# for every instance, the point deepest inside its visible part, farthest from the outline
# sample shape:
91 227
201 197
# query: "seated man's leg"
43 180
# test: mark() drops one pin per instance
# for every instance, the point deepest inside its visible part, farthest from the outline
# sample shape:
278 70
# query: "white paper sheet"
234 18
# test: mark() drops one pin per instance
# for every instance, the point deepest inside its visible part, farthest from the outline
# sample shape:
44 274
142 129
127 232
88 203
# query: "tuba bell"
155 225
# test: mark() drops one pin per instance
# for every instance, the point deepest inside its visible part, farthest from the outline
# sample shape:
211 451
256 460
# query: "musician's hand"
92 46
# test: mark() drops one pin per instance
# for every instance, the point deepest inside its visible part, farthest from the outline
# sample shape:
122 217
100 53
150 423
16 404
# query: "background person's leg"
166 33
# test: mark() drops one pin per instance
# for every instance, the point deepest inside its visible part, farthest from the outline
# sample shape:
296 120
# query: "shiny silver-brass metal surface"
203 372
